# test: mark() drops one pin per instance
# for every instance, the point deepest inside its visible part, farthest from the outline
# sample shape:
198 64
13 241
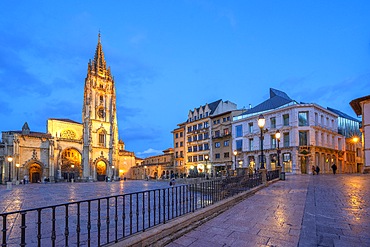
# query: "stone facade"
87 151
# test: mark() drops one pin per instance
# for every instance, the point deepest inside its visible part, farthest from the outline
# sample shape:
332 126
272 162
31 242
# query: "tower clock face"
101 112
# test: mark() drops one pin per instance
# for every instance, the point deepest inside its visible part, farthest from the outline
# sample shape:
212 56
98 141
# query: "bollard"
9 185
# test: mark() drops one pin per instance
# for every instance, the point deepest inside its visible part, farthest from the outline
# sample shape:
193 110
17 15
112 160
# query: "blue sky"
168 57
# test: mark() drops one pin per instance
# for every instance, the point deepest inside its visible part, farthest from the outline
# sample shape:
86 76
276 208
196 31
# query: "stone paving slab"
304 210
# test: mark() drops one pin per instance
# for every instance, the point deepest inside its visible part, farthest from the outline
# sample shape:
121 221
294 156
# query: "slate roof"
65 120
276 100
342 114
212 106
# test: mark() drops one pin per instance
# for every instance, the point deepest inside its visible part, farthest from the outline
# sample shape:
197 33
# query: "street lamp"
261 124
17 165
235 154
10 159
113 172
277 136
206 157
145 172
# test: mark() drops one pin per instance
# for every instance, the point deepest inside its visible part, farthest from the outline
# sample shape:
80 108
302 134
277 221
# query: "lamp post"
17 165
145 172
10 159
277 136
261 124
72 168
113 173
206 157
235 154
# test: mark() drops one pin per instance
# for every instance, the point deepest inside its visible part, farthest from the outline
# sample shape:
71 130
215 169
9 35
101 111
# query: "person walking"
317 170
313 170
334 167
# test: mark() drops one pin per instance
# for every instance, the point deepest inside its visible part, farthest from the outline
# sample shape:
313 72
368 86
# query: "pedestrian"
317 170
313 170
334 167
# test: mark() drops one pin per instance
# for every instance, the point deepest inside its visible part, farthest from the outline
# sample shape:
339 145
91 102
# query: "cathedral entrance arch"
101 170
35 172
71 164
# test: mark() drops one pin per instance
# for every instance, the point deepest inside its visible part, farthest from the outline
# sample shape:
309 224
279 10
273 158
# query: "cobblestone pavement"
303 210
38 195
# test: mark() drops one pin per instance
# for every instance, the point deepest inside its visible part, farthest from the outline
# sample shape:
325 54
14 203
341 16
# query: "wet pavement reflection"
38 195
303 210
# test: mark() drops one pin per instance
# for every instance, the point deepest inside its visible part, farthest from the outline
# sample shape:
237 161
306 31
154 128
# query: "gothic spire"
99 60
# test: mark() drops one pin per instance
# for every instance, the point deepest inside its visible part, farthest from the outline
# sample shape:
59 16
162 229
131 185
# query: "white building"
309 136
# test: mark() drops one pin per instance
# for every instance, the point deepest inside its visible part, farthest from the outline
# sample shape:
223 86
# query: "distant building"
361 107
156 167
70 150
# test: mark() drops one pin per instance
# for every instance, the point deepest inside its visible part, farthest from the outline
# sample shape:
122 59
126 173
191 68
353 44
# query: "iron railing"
100 221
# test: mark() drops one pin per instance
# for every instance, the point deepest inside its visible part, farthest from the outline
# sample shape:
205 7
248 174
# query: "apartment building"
198 136
309 136
179 147
221 152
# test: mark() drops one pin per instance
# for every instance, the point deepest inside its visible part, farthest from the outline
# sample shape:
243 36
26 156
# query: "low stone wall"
164 234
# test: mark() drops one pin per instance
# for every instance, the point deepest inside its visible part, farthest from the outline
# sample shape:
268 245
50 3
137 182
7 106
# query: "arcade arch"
71 164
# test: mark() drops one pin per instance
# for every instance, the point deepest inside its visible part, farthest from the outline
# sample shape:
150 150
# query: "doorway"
304 162
35 173
101 170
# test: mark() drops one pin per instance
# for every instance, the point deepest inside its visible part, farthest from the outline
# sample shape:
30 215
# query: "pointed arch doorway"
35 173
101 170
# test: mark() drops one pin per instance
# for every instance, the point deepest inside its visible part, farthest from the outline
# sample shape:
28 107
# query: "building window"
195 149
189 149
194 127
195 158
239 145
226 143
206 146
251 144
286 140
200 126
177 144
200 137
287 162
190 159
177 154
200 157
194 138
239 130
217 144
226 132
224 119
177 135
200 147
303 118
181 144
189 139
226 155
101 139
217 156
206 125
217 133
273 122
181 154
286 119
273 141
303 138
189 129
181 134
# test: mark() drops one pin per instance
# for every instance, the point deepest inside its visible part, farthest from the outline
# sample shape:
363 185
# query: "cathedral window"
102 139
101 99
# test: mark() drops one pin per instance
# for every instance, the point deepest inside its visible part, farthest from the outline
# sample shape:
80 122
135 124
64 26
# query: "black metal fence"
105 220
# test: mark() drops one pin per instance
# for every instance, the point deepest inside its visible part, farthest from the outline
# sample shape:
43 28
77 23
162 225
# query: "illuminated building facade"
87 151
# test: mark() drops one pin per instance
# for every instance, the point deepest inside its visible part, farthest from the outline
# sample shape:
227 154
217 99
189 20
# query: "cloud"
149 152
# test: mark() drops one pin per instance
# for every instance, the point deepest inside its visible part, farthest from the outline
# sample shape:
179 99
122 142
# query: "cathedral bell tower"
99 118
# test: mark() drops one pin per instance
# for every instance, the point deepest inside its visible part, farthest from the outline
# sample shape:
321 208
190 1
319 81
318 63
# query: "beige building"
179 147
361 107
70 150
198 137
157 167
222 158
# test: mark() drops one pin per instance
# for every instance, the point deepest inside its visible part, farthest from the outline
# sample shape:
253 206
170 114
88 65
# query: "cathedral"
72 151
